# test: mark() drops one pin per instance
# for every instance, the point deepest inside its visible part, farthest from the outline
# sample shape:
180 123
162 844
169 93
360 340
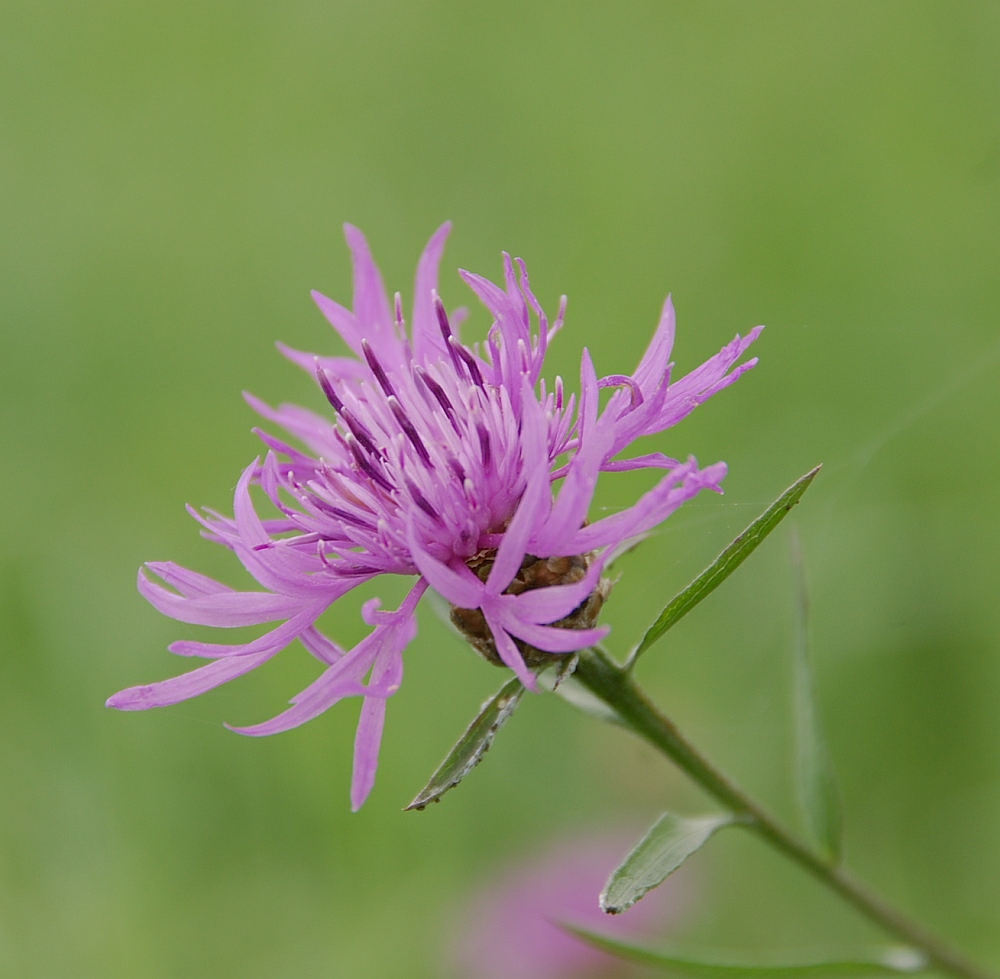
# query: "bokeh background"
173 178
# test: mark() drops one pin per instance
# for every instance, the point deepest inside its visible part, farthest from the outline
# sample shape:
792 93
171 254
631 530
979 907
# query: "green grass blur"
173 178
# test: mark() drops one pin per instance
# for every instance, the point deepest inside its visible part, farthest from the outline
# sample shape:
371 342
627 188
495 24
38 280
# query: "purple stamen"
421 501
484 445
442 317
360 432
327 386
439 394
366 465
456 468
468 360
336 511
376 367
623 381
411 433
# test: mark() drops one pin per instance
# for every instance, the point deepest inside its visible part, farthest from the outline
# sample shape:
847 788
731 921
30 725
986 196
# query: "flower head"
438 462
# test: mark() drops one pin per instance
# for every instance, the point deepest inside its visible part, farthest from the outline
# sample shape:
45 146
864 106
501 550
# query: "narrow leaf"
725 564
888 962
470 748
657 855
815 776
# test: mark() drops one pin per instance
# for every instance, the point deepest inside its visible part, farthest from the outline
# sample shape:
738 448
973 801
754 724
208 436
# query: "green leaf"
725 564
470 748
887 962
815 776
657 855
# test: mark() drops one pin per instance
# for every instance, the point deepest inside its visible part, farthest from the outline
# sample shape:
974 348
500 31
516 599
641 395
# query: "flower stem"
614 685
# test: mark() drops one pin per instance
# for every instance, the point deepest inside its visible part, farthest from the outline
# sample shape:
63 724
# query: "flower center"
534 573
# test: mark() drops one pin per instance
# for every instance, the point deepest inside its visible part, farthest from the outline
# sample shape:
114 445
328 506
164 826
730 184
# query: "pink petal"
189 684
189 583
324 649
533 507
544 605
573 501
464 590
367 742
338 367
554 640
428 344
224 610
657 356
388 673
652 508
506 648
342 320
652 460
342 679
281 637
311 429
372 311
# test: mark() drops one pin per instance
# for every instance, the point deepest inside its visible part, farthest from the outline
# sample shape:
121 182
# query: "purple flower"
439 463
510 929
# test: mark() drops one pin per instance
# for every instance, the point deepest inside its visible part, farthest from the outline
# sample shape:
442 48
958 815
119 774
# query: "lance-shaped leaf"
815 776
471 747
887 962
658 854
725 564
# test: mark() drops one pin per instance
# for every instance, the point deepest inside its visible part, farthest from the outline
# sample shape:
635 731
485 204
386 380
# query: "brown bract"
534 573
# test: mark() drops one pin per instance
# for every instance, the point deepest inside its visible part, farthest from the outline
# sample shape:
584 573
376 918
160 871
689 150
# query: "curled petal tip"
530 682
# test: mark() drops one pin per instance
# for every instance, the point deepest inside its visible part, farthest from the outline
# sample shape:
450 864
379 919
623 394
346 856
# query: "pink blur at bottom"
508 929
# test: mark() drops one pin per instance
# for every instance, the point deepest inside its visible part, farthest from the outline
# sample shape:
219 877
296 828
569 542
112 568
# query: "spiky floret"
439 462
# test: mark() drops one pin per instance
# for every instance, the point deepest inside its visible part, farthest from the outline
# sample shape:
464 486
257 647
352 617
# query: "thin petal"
652 460
464 590
508 651
206 678
367 742
190 684
247 522
281 637
428 344
652 508
544 605
372 311
323 648
387 673
700 384
311 429
338 367
342 679
224 610
554 640
573 502
657 356
533 508
189 583
342 320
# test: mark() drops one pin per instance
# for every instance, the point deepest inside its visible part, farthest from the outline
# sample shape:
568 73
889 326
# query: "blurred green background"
173 178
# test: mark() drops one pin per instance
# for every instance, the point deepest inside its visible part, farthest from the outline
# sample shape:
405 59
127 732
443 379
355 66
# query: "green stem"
615 686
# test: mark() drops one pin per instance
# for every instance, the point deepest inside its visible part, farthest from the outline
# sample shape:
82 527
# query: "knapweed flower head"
511 928
438 460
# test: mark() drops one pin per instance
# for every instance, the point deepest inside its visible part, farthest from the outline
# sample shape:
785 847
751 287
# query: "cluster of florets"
439 462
